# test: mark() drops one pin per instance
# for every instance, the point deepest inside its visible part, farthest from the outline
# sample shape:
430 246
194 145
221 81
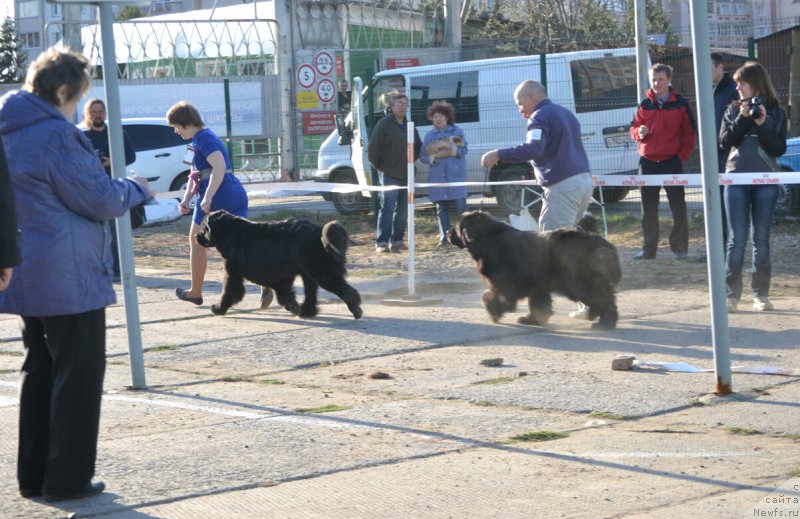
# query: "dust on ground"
166 247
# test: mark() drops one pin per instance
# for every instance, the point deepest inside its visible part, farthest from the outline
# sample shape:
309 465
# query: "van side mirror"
345 132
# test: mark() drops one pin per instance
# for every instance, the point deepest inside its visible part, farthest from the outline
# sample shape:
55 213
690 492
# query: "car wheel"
788 200
611 194
348 203
508 197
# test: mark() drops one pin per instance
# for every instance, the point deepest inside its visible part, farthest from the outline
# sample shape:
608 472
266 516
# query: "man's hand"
490 158
643 132
145 184
5 277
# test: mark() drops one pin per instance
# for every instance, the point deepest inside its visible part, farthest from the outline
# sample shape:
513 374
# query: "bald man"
555 150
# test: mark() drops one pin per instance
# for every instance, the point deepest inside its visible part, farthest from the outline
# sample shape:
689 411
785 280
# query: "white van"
599 86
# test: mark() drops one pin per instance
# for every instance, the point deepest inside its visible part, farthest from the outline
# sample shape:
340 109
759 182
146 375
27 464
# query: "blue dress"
231 195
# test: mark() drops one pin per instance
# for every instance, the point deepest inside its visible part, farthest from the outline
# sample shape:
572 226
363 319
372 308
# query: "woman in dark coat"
64 200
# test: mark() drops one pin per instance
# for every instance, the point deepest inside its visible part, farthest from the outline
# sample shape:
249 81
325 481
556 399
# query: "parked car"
789 195
160 153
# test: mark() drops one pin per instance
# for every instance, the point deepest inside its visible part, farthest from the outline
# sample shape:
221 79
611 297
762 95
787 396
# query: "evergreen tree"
130 12
12 57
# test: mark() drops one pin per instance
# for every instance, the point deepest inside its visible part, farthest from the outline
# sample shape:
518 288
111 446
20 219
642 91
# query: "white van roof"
483 64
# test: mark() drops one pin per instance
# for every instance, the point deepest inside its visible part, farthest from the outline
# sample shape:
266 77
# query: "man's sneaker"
382 247
398 246
763 304
732 305
681 256
581 313
642 255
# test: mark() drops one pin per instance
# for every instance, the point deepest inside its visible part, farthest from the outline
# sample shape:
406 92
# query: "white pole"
410 170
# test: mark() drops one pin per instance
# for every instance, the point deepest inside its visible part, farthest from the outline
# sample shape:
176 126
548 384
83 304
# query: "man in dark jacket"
724 94
9 234
94 117
665 131
387 153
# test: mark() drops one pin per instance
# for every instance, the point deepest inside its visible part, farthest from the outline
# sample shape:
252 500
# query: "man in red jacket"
665 131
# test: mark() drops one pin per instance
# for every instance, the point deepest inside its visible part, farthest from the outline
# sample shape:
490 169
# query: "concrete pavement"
261 414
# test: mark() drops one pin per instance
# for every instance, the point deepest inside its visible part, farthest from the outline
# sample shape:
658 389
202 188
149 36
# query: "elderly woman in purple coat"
445 149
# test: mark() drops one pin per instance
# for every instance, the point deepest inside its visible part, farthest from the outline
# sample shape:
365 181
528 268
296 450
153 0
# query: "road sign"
326 90
306 76
324 63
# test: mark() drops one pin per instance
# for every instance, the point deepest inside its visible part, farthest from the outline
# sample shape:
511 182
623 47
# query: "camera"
755 103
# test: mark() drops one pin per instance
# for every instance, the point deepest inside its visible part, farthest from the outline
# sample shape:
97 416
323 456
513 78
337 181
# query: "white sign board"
154 101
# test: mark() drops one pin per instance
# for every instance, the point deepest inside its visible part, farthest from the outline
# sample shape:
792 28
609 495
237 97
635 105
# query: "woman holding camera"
753 135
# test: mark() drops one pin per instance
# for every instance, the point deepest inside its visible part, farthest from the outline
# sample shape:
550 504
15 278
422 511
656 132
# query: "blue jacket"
63 198
553 145
449 169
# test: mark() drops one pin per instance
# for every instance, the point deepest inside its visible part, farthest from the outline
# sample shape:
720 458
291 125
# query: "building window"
31 40
28 9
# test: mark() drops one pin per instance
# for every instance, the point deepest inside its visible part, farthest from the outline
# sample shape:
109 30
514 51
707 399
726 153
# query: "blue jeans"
746 205
393 213
443 212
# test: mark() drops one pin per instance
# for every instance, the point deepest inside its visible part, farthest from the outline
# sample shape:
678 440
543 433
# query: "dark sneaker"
681 256
91 489
642 255
182 295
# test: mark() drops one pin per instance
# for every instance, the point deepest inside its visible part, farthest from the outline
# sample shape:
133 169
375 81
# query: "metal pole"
711 197
410 172
228 127
123 223
640 24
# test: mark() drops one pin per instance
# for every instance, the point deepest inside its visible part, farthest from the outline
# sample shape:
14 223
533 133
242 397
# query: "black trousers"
59 417
679 237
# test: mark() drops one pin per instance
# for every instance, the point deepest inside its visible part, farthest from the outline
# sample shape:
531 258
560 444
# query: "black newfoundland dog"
518 264
274 253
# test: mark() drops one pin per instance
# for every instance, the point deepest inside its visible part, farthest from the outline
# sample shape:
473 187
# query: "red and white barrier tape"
633 181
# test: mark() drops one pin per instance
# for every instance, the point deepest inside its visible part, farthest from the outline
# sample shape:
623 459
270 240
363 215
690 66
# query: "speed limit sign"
326 90
306 76
323 62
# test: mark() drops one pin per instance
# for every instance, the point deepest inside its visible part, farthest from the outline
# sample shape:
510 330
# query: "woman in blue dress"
214 183
445 149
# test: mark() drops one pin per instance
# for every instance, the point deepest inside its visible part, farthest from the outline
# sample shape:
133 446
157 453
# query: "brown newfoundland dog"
274 253
518 264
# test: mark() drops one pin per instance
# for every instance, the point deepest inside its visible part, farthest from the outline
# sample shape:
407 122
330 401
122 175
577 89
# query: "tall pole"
123 223
711 196
640 24
411 211
452 27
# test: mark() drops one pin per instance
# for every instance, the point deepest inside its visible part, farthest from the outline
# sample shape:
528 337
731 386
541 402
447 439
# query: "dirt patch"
166 247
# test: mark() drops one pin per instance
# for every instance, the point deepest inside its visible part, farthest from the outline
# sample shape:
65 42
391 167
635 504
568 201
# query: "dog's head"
471 228
214 228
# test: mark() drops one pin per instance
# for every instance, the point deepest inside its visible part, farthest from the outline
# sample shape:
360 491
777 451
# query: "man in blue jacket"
555 150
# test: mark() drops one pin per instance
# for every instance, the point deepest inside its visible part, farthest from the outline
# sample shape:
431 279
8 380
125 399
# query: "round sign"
324 63
326 90
306 75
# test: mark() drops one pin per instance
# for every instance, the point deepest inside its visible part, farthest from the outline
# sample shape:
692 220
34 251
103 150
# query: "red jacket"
671 124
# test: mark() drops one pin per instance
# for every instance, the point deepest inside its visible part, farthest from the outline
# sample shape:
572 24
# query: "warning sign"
319 123
307 99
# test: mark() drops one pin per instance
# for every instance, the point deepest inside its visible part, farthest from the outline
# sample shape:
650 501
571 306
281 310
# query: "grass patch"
482 403
536 436
743 431
759 390
793 473
232 378
12 353
330 408
271 382
163 347
499 380
607 415
792 436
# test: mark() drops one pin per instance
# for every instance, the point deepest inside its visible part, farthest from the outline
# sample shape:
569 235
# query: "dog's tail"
588 223
606 261
335 240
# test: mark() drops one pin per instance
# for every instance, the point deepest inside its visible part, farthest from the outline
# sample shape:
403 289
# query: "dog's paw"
357 313
218 310
529 320
292 307
603 326
308 312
